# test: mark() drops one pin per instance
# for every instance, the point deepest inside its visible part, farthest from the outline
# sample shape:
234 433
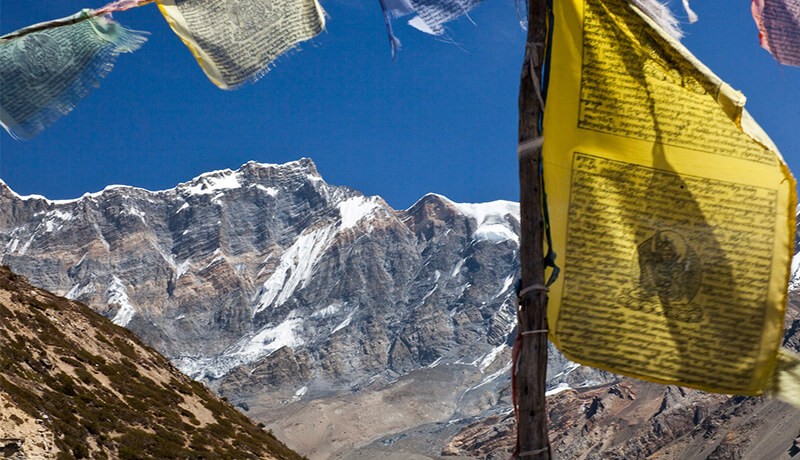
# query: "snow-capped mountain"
277 288
352 329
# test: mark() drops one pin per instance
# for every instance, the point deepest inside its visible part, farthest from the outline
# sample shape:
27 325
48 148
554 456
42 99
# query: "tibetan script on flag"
433 14
672 209
235 41
45 71
779 28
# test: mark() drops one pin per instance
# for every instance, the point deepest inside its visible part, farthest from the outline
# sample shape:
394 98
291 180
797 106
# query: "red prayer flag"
779 28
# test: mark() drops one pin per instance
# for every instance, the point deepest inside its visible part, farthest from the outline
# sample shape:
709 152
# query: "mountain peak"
478 211
250 172
304 164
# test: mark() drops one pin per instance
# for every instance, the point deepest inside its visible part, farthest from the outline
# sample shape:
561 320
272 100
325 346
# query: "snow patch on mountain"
457 268
271 339
328 311
794 280
483 212
182 268
491 219
57 214
495 233
11 246
247 350
489 358
117 295
27 245
354 209
168 258
134 211
506 284
271 191
506 370
211 182
568 368
218 257
345 323
295 267
77 291
558 389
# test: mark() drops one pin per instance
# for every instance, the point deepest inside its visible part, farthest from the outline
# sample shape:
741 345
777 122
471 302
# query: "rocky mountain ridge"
280 290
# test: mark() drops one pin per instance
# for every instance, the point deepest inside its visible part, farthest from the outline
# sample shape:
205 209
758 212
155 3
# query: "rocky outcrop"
74 385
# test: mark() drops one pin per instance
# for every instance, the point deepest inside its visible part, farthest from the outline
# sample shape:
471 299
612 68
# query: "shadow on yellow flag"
673 212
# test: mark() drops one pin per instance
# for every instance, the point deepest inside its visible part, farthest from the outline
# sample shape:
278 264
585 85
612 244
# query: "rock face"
283 292
232 267
73 385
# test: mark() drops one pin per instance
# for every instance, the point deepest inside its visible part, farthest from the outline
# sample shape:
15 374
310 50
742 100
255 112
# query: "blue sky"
440 118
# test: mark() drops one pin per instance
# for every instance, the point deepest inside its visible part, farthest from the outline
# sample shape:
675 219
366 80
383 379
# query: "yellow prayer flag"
673 211
235 41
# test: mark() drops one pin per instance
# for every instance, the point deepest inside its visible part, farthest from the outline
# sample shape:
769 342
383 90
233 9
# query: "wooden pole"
532 437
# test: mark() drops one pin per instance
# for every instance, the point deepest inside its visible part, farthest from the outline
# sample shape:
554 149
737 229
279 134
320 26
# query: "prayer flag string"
51 65
394 9
122 5
113 7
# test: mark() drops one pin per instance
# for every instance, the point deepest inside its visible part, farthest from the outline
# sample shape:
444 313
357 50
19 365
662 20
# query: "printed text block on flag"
673 211
779 28
235 41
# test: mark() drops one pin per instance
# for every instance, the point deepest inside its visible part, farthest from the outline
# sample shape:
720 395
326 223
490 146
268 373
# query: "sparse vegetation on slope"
95 391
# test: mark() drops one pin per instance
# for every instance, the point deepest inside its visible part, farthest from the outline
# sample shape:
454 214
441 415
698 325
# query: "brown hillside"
74 385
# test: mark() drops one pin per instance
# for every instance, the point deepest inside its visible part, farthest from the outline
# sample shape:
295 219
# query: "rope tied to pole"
530 146
531 453
532 56
523 293
537 331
